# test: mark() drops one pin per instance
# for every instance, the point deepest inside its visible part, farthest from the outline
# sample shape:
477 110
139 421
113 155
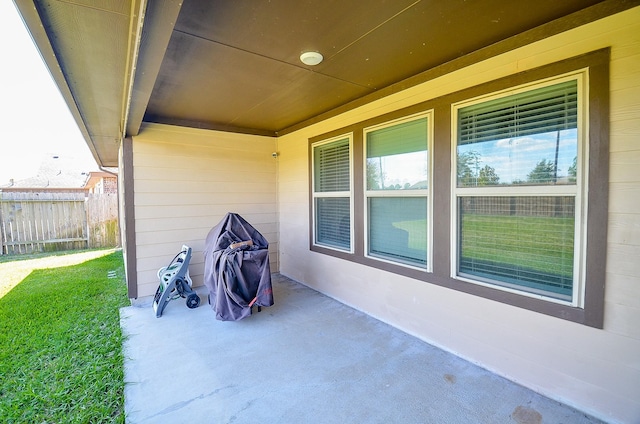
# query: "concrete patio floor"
307 359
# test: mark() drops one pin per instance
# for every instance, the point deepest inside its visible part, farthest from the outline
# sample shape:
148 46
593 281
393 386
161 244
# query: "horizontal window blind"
331 166
398 229
333 222
332 185
547 109
519 242
397 159
406 137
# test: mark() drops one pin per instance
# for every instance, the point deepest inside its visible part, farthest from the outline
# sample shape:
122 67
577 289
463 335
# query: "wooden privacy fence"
52 221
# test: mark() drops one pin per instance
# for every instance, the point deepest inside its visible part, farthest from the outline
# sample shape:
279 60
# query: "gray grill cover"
237 277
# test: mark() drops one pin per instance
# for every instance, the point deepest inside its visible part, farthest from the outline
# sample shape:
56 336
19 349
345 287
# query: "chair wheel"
193 301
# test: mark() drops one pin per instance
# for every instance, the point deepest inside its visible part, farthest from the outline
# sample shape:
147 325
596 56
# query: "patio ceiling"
234 65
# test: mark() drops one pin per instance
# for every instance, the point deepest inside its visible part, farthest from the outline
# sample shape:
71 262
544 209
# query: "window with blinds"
332 193
397 183
512 230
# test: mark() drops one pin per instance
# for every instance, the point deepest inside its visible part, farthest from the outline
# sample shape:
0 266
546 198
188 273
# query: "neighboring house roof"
96 177
56 171
235 65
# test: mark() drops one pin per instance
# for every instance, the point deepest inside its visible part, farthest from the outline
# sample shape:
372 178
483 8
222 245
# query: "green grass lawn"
60 342
536 243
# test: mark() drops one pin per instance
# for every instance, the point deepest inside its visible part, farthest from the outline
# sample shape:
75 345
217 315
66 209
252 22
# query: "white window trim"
579 190
401 193
335 194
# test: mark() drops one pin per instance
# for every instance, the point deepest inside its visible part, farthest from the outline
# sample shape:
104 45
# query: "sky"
513 159
35 119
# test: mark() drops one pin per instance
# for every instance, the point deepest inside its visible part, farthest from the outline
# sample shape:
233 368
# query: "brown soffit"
590 14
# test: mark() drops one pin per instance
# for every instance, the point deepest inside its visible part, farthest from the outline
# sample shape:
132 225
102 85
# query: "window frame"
333 194
577 190
416 193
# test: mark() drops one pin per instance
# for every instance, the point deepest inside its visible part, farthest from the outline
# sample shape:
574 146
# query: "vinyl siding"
596 371
185 181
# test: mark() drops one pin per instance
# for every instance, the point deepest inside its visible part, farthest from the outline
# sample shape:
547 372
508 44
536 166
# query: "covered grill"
236 268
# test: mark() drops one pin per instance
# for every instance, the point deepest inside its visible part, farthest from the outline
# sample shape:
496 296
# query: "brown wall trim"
598 206
593 312
130 252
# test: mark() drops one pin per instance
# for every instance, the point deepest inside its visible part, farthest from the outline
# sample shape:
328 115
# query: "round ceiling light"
311 58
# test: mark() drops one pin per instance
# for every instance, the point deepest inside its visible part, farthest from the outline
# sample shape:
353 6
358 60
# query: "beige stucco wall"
597 371
185 181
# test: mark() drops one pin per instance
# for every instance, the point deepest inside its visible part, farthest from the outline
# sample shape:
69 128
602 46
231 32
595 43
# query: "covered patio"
308 359
208 107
